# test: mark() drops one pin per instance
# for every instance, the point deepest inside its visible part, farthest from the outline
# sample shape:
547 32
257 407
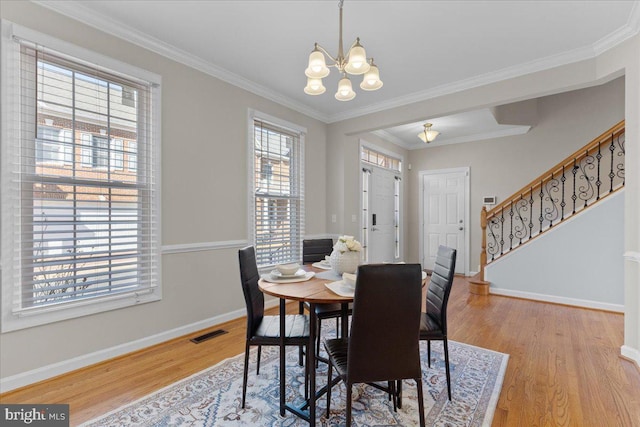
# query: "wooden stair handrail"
568 161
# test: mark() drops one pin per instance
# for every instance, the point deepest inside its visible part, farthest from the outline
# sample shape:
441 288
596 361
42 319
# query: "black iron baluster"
501 231
492 245
598 182
521 228
586 191
541 219
511 226
612 175
620 167
574 197
562 203
530 211
551 212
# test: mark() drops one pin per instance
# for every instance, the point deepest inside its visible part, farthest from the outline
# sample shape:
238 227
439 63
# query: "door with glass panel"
381 192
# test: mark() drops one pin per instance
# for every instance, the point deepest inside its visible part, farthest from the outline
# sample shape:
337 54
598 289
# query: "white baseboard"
618 308
631 354
55 369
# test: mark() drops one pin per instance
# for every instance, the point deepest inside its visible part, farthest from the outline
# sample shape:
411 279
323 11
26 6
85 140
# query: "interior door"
444 215
382 216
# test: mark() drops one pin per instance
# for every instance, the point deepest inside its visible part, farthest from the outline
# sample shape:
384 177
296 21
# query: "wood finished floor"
564 366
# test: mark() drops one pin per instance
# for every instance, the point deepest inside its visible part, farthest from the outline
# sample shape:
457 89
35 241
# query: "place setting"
288 273
345 287
323 265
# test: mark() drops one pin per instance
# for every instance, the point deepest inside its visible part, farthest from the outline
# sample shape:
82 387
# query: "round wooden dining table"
312 291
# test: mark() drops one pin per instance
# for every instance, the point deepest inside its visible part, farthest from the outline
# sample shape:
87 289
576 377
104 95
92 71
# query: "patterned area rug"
213 397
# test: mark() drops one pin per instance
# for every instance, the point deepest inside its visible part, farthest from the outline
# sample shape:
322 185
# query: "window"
53 145
87 229
277 211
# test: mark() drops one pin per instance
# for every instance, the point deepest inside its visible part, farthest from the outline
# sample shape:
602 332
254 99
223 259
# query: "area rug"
213 397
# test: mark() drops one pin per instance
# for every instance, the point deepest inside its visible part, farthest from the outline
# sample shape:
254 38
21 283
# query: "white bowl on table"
349 280
288 269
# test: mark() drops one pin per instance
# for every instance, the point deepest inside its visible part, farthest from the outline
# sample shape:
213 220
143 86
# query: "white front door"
444 215
383 217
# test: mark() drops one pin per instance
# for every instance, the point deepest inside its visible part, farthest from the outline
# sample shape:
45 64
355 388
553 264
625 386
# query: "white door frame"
466 238
361 164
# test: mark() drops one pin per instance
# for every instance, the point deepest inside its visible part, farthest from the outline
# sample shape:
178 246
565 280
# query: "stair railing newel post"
564 190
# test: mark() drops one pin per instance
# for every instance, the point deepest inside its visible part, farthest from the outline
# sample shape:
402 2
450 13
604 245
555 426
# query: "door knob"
461 228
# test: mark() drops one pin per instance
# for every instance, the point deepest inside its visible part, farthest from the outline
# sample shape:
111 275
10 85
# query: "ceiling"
422 48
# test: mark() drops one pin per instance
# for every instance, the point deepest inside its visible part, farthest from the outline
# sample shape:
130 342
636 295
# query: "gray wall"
576 263
501 166
204 187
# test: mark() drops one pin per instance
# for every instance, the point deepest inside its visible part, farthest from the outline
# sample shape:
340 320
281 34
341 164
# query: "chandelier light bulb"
345 91
314 87
357 60
371 80
317 68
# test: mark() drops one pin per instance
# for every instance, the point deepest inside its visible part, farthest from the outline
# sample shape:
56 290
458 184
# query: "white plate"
424 275
321 265
269 278
298 274
340 288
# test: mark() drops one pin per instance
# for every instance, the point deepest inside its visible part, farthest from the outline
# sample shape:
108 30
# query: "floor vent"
208 336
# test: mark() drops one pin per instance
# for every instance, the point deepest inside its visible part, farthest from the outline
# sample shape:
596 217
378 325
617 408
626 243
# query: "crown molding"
79 12
510 131
630 29
542 64
387 136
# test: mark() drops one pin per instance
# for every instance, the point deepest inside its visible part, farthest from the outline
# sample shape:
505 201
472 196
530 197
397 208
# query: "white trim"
264 117
631 354
467 207
510 131
81 54
55 369
203 246
632 256
617 308
79 12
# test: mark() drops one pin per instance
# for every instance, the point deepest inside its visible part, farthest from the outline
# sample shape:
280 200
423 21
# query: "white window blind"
84 225
278 194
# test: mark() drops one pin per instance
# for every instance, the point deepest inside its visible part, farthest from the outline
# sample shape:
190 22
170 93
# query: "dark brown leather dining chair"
383 344
433 323
261 329
314 250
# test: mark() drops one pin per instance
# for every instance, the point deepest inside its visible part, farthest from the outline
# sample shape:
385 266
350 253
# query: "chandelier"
428 135
355 63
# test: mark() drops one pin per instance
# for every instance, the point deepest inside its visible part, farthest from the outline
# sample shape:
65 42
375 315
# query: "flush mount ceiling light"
355 63
428 135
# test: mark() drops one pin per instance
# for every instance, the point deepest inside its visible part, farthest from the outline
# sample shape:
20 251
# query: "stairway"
577 183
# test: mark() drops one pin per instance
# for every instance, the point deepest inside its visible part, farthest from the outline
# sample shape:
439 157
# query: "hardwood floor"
564 365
